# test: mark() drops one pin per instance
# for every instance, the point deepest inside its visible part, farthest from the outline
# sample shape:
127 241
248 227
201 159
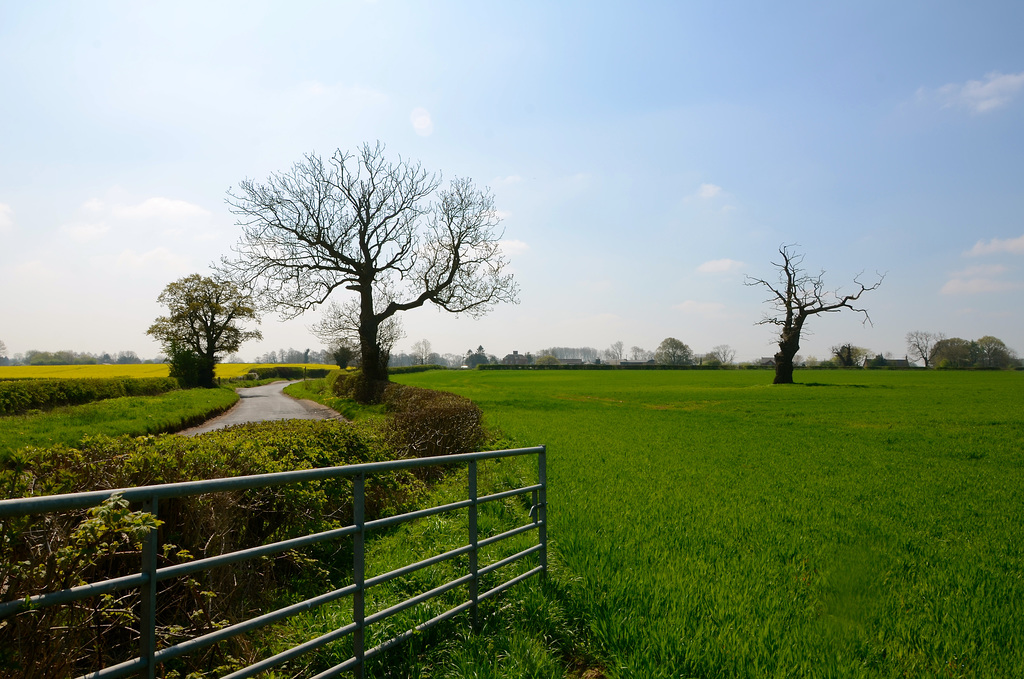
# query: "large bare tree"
723 354
795 297
385 231
921 344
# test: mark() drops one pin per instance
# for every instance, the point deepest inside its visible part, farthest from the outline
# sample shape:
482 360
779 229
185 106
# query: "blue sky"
645 157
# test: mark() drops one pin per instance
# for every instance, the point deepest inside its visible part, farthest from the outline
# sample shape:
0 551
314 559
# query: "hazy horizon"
644 159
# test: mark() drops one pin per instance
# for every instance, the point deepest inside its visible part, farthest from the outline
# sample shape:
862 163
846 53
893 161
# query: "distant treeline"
69 357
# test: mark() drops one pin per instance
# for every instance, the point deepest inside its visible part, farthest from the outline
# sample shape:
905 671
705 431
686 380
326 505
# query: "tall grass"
709 524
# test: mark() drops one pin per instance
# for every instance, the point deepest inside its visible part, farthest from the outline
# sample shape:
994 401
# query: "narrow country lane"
267 402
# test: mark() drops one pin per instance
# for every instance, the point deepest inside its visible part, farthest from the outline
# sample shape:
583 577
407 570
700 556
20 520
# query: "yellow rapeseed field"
224 370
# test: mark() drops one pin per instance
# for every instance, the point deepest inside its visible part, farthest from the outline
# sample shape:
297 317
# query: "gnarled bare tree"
383 230
795 297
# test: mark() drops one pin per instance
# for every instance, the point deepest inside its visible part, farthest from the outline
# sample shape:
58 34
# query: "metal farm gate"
149 576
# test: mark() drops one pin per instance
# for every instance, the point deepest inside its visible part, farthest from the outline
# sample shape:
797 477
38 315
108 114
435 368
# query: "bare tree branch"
795 297
383 230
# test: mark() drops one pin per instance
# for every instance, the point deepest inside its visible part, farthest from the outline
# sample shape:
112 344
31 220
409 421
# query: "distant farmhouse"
515 358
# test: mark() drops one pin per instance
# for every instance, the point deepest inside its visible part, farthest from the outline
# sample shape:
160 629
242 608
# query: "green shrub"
17 397
190 368
355 386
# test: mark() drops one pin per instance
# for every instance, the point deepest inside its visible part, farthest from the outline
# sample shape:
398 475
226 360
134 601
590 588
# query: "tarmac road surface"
266 402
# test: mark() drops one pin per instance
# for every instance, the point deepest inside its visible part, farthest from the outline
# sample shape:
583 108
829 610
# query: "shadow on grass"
854 386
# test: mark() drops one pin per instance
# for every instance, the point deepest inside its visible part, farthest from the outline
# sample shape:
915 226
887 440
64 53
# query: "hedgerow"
50 552
407 369
290 372
20 396
426 423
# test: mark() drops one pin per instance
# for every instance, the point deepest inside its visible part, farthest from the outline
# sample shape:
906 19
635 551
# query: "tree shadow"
822 384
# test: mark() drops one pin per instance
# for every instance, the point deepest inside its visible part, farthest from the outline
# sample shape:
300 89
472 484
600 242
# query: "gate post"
358 574
474 585
147 608
542 508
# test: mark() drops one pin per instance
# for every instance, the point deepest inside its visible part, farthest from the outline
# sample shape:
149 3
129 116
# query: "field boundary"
149 576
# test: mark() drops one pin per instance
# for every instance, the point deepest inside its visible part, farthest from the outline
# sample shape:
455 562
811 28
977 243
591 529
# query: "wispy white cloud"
159 208
6 218
980 279
1013 246
83 232
158 258
422 123
720 266
979 96
514 247
511 179
708 191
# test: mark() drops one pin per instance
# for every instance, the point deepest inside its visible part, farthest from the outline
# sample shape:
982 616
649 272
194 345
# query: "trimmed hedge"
290 372
406 369
426 423
17 397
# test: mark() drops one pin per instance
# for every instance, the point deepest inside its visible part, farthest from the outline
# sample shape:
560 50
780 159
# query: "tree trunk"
374 361
789 344
374 368
783 369
207 369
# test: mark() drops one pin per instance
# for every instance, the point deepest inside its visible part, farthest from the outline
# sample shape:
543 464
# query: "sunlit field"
710 524
224 370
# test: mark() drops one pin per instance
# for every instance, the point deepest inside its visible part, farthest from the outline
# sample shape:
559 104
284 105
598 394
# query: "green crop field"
709 524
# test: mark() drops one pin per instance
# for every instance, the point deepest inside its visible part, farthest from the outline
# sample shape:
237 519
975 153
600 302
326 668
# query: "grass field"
710 524
133 415
224 370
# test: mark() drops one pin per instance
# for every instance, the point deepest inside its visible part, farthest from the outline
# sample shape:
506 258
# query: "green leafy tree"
953 352
475 358
993 353
673 352
202 326
342 354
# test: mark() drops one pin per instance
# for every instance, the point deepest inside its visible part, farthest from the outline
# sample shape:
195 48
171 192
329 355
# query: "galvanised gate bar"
149 575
